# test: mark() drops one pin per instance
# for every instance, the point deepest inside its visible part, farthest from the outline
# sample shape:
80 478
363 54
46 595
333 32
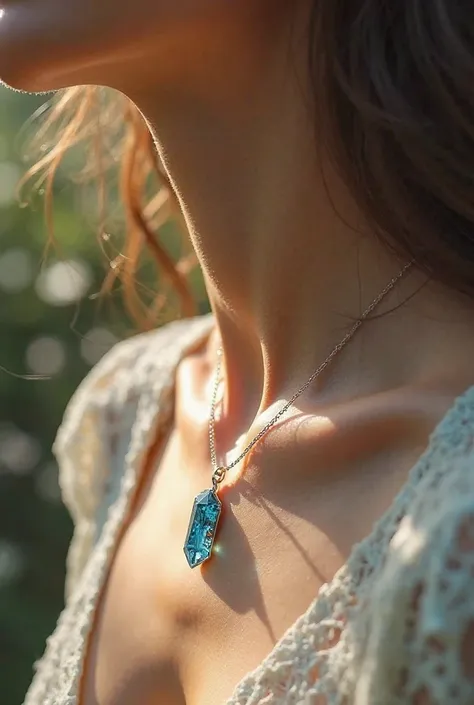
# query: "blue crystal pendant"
202 527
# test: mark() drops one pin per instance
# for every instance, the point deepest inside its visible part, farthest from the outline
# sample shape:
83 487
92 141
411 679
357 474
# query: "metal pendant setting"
202 527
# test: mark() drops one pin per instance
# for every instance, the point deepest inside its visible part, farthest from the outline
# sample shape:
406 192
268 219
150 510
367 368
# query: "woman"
321 155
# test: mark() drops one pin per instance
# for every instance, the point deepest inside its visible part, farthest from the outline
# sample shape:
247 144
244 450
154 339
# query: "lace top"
394 626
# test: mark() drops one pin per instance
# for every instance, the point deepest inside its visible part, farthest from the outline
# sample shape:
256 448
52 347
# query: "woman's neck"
288 259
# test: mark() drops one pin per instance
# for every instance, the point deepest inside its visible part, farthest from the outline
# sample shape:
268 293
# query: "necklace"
207 505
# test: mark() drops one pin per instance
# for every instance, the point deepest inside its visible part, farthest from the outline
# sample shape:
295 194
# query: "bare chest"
166 634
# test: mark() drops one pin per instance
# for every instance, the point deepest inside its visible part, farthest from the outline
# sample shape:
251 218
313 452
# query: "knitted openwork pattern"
394 627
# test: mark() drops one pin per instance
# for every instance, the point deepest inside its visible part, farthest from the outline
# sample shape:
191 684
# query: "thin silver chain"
220 470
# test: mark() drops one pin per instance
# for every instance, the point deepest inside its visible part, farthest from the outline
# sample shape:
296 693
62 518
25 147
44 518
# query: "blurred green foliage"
52 327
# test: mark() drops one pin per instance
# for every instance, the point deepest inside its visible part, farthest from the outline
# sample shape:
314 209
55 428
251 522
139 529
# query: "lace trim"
320 658
59 671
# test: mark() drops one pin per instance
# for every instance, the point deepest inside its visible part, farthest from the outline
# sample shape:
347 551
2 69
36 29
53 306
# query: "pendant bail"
217 476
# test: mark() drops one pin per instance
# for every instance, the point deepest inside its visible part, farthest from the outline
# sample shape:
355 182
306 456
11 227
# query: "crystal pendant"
202 527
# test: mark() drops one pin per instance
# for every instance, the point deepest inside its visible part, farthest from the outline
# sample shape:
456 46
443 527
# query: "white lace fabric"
394 627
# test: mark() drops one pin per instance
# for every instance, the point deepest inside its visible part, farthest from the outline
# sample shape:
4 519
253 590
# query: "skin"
285 274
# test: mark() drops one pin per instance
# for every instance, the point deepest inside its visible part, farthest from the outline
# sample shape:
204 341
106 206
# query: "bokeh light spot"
9 177
64 283
47 483
96 343
46 356
19 452
12 562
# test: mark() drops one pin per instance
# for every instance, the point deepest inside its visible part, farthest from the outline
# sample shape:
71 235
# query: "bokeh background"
53 328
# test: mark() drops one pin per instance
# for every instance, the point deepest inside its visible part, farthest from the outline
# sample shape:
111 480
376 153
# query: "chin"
21 80
131 46
28 56
46 45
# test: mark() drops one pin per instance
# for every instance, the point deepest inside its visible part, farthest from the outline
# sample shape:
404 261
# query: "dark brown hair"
397 90
394 82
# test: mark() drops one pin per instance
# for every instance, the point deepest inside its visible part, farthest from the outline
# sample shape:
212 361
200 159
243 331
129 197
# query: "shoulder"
129 368
419 640
110 417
